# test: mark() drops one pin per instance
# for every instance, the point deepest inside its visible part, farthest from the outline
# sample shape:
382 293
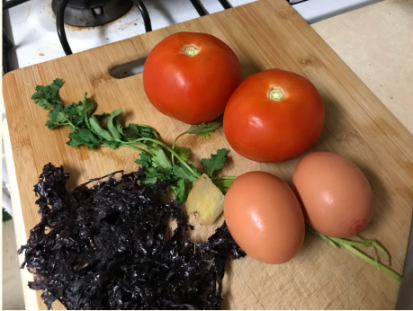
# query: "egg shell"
264 217
335 194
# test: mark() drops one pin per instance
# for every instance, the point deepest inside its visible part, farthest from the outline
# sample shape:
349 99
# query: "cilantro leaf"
46 96
215 163
204 129
111 143
83 137
101 116
159 158
183 153
86 107
144 160
94 123
114 124
135 131
152 174
56 117
183 172
72 113
181 191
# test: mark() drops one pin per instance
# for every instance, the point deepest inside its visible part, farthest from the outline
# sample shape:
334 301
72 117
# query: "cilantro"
57 117
181 191
136 131
203 129
183 172
183 153
159 158
145 160
215 163
114 124
223 183
153 174
45 96
83 137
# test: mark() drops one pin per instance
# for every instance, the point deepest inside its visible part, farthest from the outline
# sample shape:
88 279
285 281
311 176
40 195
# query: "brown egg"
264 217
335 194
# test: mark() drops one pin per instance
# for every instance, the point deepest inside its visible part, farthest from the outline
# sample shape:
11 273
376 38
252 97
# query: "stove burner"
91 13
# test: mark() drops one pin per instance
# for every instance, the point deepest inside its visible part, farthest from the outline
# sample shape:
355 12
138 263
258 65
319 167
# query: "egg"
335 194
264 217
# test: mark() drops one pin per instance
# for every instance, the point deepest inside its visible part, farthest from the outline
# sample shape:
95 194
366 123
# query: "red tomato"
274 115
190 76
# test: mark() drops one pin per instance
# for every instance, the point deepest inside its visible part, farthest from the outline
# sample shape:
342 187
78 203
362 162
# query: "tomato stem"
276 93
190 50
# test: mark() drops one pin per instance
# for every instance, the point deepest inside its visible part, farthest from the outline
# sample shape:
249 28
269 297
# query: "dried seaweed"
110 247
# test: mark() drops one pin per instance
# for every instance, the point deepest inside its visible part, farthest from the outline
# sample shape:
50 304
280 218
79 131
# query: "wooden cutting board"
264 34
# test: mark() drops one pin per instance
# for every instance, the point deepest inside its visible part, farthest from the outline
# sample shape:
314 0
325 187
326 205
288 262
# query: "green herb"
46 96
351 246
223 183
203 129
183 172
215 163
181 191
183 153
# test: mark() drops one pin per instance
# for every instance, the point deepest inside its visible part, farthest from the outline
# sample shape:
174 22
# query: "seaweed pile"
110 246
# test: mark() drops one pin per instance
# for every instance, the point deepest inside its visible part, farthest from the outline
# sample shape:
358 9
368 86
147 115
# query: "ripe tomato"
190 76
274 115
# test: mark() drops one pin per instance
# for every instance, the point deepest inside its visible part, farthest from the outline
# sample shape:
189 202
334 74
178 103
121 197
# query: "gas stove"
37 32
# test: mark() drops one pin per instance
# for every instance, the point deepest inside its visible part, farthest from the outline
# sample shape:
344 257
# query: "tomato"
274 115
190 76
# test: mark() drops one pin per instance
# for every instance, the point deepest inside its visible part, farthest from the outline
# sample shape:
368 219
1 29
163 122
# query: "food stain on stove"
83 28
126 25
41 54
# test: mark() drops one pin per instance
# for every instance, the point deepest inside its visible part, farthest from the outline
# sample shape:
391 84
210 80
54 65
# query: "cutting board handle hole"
129 69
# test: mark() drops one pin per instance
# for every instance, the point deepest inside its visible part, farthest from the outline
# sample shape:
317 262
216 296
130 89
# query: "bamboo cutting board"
264 34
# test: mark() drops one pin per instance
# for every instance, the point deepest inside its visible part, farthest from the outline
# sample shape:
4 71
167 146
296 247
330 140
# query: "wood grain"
264 34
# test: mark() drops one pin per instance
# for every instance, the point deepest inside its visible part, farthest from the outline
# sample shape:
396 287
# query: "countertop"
374 41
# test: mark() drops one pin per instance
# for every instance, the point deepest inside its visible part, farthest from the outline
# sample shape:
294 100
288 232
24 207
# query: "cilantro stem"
173 145
133 147
72 126
350 245
225 178
171 151
379 266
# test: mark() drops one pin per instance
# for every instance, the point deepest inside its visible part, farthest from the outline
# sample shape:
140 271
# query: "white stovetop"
33 24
